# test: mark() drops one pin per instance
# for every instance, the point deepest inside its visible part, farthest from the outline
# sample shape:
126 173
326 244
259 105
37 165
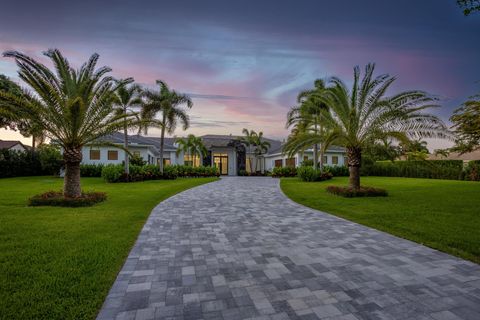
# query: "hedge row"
438 169
115 173
46 160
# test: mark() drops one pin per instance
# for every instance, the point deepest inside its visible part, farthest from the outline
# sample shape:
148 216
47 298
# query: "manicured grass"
59 263
442 214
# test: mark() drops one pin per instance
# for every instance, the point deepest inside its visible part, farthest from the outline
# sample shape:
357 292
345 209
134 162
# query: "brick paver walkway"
239 249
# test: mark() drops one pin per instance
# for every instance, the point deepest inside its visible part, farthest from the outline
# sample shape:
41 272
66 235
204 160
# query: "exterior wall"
18 147
270 160
144 153
232 159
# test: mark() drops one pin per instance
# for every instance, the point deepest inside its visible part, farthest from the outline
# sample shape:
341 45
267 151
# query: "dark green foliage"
244 173
91 170
349 192
51 159
307 163
137 160
337 171
19 164
202 171
56 199
309 174
435 169
472 171
280 172
112 172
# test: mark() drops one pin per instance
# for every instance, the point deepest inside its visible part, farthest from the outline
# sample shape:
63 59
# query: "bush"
309 174
201 171
349 192
19 163
91 170
307 163
113 172
472 171
432 169
51 159
137 160
280 172
337 171
169 173
56 198
253 174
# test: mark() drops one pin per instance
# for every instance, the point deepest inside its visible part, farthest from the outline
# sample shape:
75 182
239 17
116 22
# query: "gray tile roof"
7 144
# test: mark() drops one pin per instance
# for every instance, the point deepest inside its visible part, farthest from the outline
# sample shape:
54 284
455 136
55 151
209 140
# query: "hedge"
280 172
434 169
309 174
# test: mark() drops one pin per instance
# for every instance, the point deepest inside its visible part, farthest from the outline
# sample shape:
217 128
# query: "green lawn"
441 214
59 263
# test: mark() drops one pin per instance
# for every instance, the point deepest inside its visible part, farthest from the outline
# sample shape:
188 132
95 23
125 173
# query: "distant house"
466 157
12 145
226 152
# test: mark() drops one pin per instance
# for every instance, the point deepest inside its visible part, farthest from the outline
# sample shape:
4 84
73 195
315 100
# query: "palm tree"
167 102
127 99
261 147
306 120
249 139
192 146
364 114
73 107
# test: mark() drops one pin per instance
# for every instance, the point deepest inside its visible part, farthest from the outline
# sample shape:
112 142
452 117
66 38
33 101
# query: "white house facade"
226 152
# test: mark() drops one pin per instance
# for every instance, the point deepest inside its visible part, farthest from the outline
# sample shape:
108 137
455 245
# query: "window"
193 161
112 155
290 162
325 159
94 154
334 159
278 163
166 162
248 165
305 158
136 153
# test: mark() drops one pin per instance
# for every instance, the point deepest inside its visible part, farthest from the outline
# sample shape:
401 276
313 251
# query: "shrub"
169 173
307 163
337 171
112 172
56 198
279 172
201 171
349 192
432 169
19 163
51 159
472 171
91 170
309 174
137 160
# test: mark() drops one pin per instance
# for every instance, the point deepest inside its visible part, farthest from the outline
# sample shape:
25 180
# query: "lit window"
334 159
136 153
112 155
192 161
166 162
94 154
248 165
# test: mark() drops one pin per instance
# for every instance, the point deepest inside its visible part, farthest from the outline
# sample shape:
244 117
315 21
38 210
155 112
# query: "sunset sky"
243 62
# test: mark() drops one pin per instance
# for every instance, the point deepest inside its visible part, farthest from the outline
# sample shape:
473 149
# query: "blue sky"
243 62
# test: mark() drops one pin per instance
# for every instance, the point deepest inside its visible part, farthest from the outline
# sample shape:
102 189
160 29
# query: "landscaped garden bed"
56 199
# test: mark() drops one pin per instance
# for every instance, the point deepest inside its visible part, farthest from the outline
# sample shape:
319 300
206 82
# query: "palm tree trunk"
125 145
33 142
354 155
162 140
71 181
315 156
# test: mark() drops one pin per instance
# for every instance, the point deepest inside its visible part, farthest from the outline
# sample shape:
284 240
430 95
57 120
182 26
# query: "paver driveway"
238 249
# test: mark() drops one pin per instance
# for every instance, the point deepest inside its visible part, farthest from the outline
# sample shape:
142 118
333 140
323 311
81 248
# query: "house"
12 145
226 152
465 157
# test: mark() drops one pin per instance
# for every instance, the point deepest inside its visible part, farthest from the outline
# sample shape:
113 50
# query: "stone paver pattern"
239 249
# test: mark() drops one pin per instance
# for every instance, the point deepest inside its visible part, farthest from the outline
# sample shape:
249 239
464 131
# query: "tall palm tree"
127 98
364 114
169 104
306 121
261 147
73 106
192 146
249 139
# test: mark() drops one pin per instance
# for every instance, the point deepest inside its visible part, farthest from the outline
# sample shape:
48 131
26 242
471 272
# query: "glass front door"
220 161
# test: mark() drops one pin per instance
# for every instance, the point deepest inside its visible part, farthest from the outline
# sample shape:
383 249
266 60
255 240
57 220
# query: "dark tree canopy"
466 123
469 6
7 85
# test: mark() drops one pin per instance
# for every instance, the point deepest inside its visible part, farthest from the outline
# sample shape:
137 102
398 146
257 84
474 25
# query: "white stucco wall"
299 158
17 147
144 153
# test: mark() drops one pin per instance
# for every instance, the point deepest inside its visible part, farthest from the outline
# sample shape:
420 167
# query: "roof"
279 148
474 155
152 142
7 144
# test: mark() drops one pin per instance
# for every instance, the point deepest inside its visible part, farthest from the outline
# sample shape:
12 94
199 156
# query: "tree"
192 146
73 106
306 120
466 125
8 120
364 114
127 99
380 150
249 139
169 104
261 147
469 6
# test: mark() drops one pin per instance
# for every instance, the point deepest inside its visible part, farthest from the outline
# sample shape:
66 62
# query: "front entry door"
221 162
